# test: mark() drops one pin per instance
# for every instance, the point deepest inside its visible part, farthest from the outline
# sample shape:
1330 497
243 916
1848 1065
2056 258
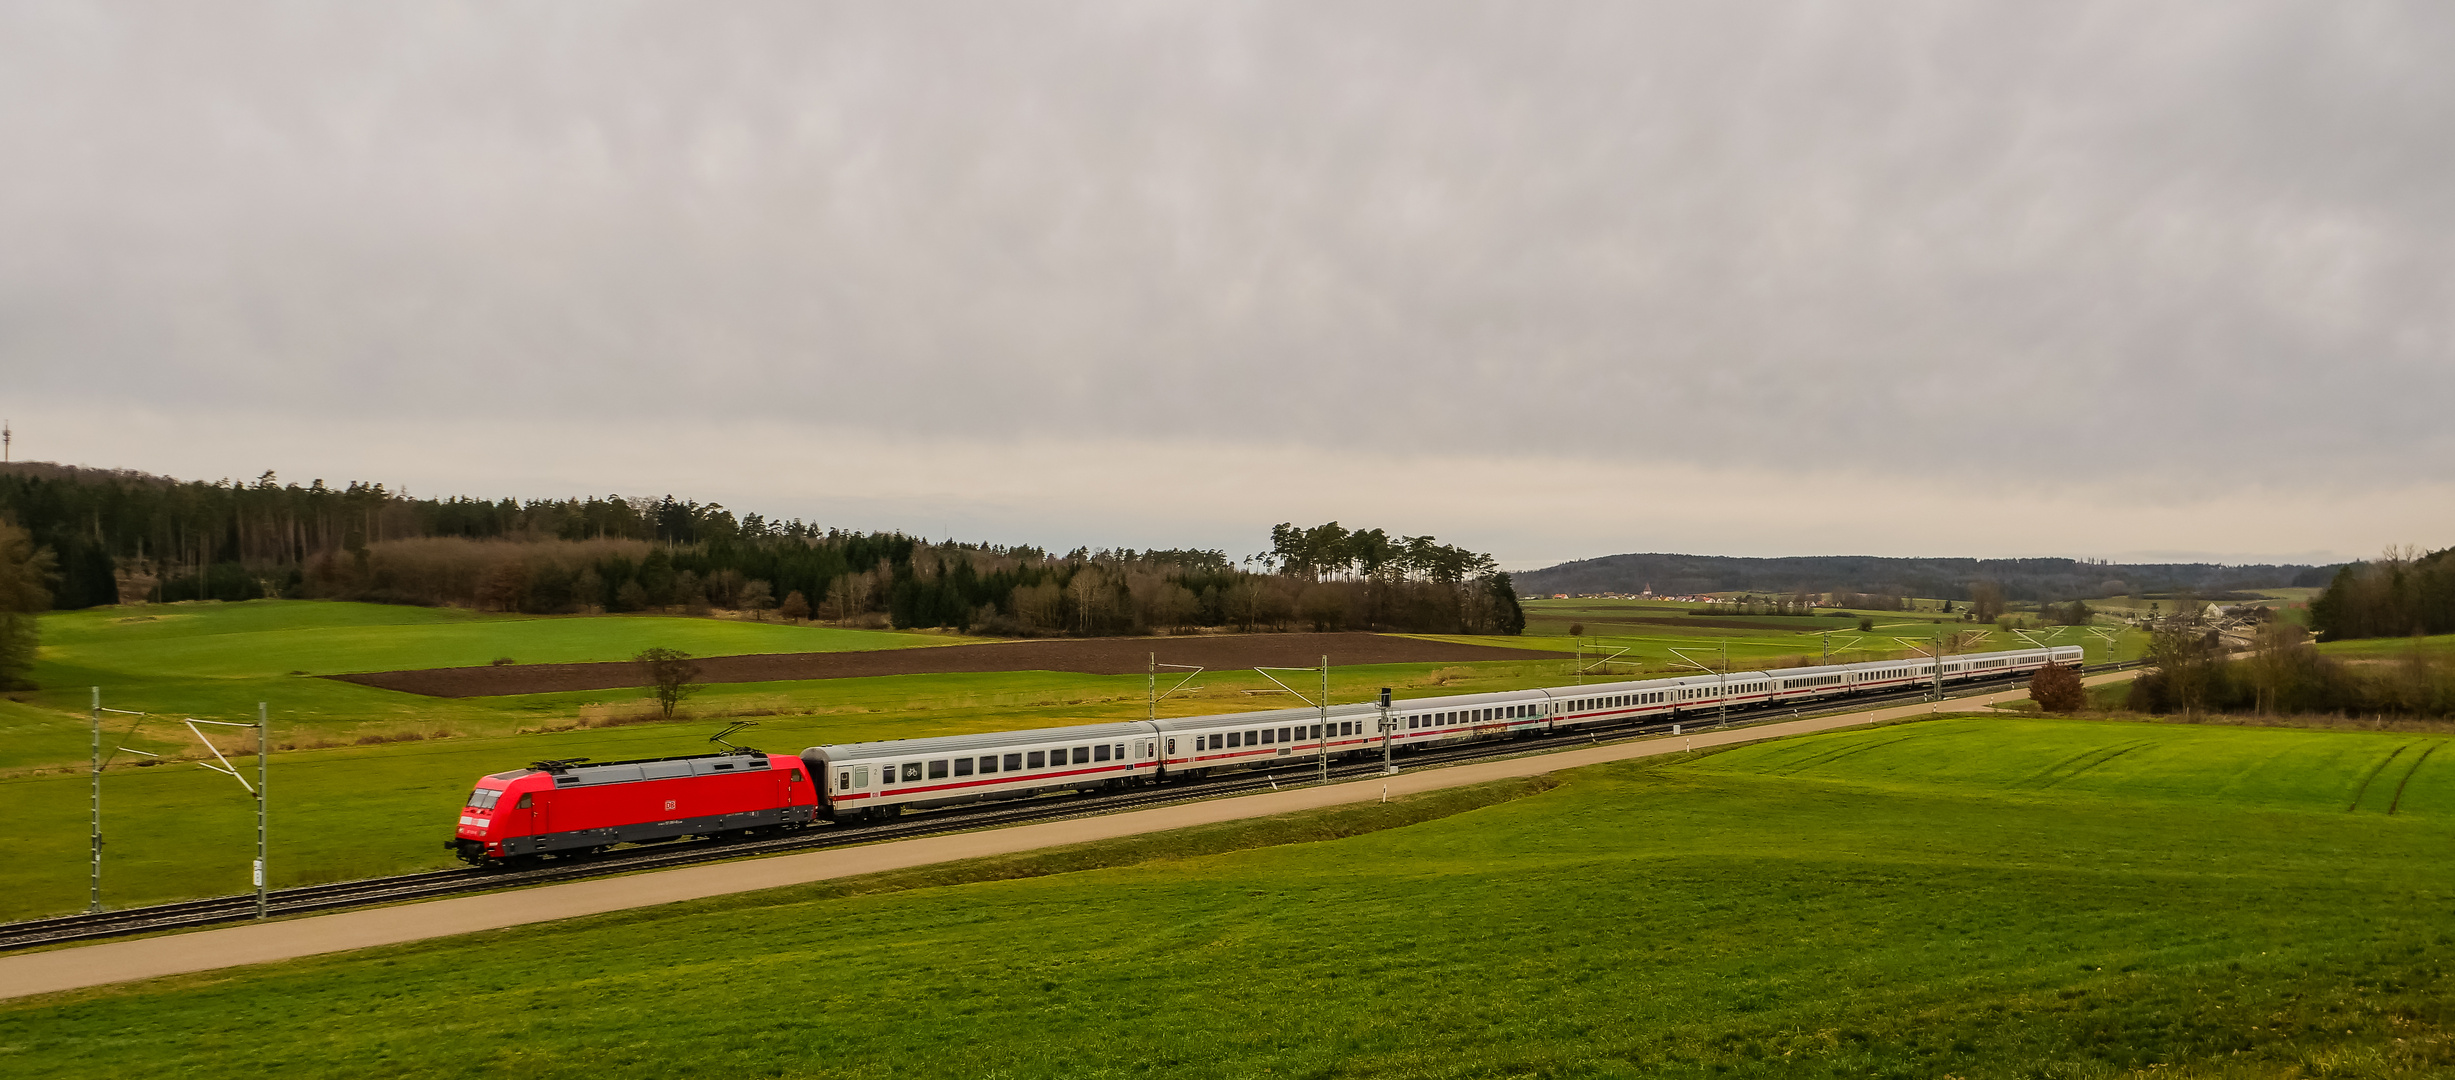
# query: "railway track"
334 896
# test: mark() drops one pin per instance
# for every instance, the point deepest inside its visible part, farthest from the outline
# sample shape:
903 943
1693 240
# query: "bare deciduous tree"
1985 601
756 597
671 675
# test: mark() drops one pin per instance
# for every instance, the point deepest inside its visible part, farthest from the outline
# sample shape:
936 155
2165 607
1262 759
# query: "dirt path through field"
1090 656
205 950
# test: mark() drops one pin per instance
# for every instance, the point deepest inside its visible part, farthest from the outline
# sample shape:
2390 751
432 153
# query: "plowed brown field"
1090 656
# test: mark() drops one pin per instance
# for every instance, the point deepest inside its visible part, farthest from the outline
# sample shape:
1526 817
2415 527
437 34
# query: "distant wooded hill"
2040 580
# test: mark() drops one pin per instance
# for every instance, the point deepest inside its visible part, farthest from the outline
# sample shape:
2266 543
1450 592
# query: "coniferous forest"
2397 594
112 536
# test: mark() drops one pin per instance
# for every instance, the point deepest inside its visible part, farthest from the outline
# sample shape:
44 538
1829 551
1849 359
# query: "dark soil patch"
1090 656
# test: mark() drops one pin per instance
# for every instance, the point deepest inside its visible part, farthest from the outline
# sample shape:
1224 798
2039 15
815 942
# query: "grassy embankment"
345 810
1974 898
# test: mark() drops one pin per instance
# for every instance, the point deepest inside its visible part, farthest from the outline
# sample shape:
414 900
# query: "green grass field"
2388 648
1965 897
340 812
344 810
217 660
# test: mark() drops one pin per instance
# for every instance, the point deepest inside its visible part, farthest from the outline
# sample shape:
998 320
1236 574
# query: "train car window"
1266 735
843 781
988 764
1235 739
1250 738
1283 733
1014 762
1037 760
912 772
1172 746
526 801
1082 755
963 766
937 770
860 776
1214 741
1411 723
1120 751
1100 752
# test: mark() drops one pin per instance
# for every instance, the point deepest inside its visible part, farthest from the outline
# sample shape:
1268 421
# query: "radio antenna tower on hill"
6 437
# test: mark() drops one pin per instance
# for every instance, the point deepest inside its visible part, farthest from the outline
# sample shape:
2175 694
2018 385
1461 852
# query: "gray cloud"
2194 243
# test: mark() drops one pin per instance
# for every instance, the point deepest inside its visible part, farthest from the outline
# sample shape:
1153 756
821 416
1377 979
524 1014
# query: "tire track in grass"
2099 761
1831 756
2364 789
2416 767
2085 759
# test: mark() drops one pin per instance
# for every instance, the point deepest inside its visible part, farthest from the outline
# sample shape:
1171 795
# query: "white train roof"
1090 733
986 740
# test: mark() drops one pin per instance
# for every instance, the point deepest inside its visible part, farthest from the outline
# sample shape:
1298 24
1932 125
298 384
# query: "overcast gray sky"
1552 280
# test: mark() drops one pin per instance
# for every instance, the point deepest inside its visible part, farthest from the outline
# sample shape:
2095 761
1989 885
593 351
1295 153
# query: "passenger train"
566 807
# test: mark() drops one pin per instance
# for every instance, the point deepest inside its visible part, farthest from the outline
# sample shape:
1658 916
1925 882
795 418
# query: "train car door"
529 816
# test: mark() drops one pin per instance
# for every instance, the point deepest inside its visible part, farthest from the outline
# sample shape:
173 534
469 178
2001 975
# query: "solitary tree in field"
2056 688
670 677
1986 601
796 607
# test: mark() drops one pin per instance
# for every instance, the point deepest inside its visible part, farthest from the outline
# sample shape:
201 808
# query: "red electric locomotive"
573 806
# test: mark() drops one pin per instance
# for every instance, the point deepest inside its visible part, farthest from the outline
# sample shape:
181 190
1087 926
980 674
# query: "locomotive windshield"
483 798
